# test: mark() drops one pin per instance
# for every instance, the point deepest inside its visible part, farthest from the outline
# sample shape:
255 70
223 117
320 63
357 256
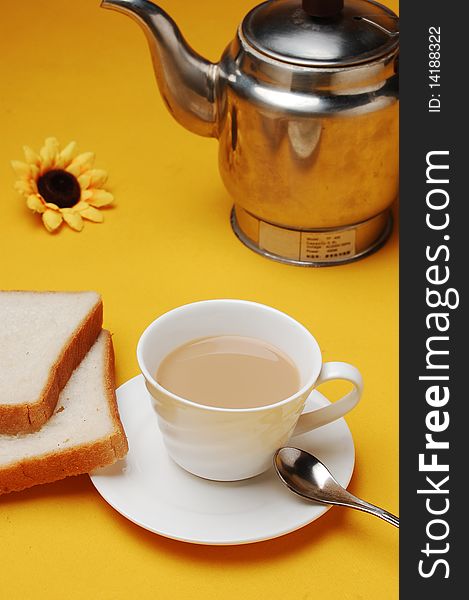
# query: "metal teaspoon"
306 475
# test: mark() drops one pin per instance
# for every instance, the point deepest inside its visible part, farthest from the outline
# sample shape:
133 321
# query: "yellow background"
75 71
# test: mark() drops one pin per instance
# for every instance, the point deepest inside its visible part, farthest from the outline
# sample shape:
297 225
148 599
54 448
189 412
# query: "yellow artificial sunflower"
61 185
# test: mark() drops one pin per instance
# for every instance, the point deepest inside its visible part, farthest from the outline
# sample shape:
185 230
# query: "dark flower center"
59 187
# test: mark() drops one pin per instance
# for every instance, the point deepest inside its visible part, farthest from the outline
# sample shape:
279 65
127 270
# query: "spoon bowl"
307 476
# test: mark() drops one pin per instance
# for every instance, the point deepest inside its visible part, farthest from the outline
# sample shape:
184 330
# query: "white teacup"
229 444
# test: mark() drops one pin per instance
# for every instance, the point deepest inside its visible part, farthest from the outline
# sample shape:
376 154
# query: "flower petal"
49 153
73 219
100 198
81 163
92 214
52 220
84 180
24 187
86 195
80 206
31 157
52 206
22 169
66 155
98 177
35 203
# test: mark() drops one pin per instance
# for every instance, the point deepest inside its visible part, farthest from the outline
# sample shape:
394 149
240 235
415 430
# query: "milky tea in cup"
229 371
229 379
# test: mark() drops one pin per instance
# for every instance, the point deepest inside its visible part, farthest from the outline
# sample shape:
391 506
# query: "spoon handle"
353 502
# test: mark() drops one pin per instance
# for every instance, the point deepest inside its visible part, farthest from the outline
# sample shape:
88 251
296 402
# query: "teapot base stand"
311 247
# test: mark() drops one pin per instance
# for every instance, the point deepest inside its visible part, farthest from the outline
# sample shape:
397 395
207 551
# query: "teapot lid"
322 33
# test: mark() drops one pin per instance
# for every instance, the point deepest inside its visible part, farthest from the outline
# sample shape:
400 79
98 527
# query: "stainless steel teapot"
304 103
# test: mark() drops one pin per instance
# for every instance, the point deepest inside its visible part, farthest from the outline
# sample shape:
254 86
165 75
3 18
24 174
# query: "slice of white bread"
43 338
84 433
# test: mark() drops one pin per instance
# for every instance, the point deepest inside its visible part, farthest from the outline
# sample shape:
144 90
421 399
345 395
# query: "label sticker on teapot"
307 246
327 246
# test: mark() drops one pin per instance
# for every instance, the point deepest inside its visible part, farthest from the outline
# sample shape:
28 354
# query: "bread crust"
31 416
72 461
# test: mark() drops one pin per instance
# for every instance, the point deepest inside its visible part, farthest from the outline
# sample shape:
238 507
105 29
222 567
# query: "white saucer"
148 488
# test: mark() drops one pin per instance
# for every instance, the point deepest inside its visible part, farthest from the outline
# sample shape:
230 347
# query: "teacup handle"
322 416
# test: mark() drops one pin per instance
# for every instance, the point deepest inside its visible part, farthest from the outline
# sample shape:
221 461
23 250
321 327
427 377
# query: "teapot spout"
185 79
